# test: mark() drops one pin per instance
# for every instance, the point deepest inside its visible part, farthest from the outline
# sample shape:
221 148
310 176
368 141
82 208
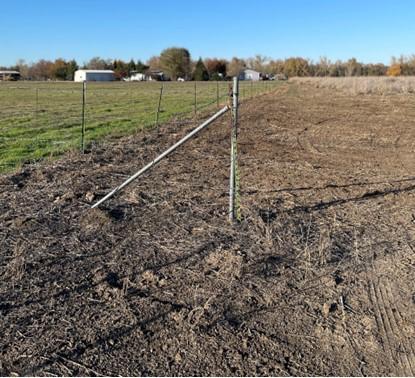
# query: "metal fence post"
233 181
217 93
252 87
37 107
195 100
158 106
83 117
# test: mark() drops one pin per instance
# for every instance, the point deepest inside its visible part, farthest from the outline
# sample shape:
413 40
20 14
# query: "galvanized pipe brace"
163 155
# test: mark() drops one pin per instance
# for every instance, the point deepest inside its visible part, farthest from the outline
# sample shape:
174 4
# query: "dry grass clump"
16 267
362 84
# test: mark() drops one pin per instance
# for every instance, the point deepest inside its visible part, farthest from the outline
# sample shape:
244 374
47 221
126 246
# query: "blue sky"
370 30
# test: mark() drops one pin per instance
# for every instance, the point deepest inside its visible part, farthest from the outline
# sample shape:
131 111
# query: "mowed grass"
43 119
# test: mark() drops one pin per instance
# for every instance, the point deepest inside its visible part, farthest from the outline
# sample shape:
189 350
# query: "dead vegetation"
382 85
317 279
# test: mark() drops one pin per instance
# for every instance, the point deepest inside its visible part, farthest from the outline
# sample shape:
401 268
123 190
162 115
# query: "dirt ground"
317 279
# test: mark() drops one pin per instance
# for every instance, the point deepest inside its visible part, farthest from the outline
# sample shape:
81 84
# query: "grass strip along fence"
44 119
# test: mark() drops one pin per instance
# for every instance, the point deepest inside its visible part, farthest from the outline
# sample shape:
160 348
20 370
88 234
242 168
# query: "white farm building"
136 76
249 74
9 75
94 75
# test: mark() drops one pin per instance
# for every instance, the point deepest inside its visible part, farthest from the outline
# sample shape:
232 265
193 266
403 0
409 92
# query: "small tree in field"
200 73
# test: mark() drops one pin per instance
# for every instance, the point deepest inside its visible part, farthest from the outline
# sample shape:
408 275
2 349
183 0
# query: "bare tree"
235 66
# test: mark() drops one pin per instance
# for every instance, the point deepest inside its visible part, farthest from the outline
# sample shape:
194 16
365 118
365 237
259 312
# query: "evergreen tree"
200 73
131 66
120 69
140 67
71 67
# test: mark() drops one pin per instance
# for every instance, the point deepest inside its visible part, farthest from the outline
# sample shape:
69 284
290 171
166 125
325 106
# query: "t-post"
217 93
233 181
83 116
158 106
195 99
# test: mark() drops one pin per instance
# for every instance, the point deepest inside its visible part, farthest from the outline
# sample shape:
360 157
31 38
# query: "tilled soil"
317 278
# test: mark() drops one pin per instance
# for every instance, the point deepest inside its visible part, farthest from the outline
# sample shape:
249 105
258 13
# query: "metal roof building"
94 75
248 74
9 75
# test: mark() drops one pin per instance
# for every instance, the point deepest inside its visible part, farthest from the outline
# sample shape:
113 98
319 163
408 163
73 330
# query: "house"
156 75
136 76
149 75
9 75
94 75
248 74
280 76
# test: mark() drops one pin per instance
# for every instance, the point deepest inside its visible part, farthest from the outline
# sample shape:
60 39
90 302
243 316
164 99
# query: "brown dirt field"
317 279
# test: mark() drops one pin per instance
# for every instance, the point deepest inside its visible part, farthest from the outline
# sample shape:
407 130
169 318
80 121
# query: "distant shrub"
216 77
394 70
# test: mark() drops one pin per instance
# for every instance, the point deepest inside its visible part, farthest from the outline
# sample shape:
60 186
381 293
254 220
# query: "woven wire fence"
39 120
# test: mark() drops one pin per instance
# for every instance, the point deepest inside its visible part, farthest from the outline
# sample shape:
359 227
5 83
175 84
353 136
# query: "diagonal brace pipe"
163 155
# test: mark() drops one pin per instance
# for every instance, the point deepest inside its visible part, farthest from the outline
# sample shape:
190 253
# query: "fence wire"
44 119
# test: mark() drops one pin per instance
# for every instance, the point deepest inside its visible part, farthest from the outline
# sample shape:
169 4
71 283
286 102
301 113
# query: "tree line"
176 62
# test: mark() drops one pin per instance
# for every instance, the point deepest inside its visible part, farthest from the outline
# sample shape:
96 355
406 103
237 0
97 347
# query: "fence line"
40 119
234 211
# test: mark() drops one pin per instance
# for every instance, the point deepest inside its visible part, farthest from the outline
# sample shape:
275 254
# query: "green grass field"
43 119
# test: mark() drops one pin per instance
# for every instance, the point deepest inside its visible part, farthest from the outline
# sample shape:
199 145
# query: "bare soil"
317 279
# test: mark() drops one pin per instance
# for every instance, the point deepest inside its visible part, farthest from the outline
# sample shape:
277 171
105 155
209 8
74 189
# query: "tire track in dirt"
304 136
389 321
396 318
304 142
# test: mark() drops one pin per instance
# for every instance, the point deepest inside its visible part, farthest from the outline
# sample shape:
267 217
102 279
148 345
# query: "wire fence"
39 120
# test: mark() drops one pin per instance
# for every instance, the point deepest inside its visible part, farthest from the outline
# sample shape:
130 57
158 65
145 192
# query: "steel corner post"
234 175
